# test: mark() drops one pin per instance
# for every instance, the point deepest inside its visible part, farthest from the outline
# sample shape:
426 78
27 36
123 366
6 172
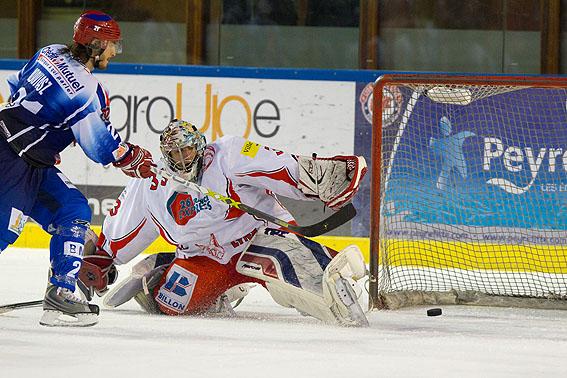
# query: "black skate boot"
62 308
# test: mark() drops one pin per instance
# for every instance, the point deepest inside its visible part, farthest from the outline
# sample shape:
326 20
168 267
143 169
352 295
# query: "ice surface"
267 340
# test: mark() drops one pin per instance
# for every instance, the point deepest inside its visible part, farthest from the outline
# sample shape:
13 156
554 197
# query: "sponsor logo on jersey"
244 239
275 232
17 221
177 291
183 207
59 69
213 249
73 249
250 149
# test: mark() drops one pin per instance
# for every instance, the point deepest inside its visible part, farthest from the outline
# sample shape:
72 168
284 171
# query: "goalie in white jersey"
219 247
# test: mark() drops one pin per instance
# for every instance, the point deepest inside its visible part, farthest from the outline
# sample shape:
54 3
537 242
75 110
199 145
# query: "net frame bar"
375 301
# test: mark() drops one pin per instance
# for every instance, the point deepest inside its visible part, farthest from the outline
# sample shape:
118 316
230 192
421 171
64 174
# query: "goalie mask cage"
469 191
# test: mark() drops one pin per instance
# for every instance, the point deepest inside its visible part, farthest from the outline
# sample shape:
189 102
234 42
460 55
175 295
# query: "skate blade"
54 318
348 297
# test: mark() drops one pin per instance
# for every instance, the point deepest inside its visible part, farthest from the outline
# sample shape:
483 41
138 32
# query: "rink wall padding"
300 111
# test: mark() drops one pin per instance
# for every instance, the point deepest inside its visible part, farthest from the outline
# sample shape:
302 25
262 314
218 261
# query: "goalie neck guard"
183 147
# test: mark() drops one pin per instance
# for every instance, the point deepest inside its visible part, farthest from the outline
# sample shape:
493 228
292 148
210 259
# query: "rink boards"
300 111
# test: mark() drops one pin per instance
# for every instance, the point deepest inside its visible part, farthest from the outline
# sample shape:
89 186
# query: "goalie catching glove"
334 180
137 162
97 272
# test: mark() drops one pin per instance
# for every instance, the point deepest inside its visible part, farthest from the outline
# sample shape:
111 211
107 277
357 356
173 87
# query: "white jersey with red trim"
195 223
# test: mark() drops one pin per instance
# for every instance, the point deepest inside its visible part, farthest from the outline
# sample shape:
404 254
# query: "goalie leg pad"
307 276
340 289
143 273
280 255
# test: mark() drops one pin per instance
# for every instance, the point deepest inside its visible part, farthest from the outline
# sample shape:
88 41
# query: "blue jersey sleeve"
14 79
94 132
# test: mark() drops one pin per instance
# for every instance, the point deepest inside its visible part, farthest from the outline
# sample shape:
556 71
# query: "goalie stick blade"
16 306
337 219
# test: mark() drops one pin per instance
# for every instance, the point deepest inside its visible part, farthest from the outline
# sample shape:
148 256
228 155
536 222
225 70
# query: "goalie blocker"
297 272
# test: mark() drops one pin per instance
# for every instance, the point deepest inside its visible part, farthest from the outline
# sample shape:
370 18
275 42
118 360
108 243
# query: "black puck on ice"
434 312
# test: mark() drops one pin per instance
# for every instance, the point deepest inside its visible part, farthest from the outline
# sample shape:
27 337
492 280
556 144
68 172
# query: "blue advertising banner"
500 161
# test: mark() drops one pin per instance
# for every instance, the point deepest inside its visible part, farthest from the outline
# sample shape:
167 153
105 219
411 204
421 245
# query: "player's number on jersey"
112 212
156 182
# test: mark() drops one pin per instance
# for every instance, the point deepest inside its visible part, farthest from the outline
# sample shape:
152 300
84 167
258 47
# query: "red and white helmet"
94 26
183 149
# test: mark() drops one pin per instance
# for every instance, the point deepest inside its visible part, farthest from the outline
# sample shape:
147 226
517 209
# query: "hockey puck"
434 312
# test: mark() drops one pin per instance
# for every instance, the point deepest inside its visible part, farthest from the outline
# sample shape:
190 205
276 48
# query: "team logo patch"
17 221
183 207
250 149
177 290
213 249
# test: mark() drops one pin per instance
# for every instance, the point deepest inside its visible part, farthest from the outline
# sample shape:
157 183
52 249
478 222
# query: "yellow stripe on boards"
410 253
477 256
33 236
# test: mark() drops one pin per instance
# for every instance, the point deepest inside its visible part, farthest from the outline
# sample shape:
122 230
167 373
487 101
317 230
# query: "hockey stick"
16 306
337 219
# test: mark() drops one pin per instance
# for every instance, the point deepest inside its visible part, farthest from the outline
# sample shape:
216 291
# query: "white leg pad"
340 288
349 263
303 274
132 285
302 300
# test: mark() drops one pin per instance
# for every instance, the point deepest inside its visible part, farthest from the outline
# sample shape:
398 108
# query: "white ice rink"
269 341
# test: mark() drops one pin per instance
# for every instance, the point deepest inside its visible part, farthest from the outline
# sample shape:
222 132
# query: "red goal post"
469 178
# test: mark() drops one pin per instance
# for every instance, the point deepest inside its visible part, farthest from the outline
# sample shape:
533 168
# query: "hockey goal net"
469 191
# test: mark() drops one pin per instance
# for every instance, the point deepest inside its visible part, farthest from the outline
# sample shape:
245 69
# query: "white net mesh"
473 192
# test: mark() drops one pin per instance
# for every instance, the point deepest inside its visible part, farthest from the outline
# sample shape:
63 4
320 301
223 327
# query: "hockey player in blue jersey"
55 101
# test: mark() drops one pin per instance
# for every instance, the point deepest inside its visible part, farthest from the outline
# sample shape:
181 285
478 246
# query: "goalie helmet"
183 147
95 29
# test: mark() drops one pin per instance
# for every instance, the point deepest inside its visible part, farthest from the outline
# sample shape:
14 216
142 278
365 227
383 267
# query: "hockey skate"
62 308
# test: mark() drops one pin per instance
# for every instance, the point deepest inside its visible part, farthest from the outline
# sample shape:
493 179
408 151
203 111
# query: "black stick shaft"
15 306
